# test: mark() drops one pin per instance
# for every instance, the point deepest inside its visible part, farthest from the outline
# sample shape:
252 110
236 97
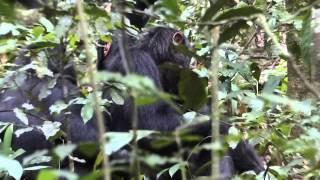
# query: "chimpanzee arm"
244 156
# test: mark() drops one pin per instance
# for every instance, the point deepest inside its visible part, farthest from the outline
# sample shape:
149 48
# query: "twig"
96 101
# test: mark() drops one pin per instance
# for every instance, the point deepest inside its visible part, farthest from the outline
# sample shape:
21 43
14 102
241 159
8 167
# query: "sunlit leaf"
13 167
174 169
47 24
49 128
87 112
21 115
62 151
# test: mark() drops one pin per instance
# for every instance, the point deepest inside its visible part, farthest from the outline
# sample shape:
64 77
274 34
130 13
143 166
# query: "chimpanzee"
23 92
155 48
27 91
147 54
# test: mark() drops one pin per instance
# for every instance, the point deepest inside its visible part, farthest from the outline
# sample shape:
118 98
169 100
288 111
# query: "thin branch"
181 161
91 74
127 64
215 129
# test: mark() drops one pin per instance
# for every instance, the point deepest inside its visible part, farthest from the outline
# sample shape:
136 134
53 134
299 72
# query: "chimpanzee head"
162 43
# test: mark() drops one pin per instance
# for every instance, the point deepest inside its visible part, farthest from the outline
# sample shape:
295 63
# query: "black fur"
28 91
139 19
148 54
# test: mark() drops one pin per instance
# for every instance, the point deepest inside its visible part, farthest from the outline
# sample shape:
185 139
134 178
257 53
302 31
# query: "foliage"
253 79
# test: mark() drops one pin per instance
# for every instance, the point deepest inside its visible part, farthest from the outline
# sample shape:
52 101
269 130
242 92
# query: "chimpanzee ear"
177 38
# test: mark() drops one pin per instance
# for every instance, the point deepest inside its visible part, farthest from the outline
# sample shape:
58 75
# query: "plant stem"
215 164
91 73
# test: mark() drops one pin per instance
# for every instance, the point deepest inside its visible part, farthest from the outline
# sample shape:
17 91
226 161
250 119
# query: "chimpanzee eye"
177 38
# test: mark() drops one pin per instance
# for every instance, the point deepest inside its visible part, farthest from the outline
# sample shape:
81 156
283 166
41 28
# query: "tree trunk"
315 45
297 88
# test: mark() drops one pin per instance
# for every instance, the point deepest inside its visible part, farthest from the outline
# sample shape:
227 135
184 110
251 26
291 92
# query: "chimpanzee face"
165 45
180 44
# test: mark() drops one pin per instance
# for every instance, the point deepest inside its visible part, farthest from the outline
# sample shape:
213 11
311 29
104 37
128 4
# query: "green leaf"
27 106
117 140
189 116
63 26
245 11
55 174
234 137
62 151
140 87
116 97
37 31
8 46
58 107
162 172
21 131
47 24
50 129
89 149
46 44
47 175
97 174
21 115
36 158
172 6
7 139
87 112
193 94
96 12
13 167
6 28
174 169
272 83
